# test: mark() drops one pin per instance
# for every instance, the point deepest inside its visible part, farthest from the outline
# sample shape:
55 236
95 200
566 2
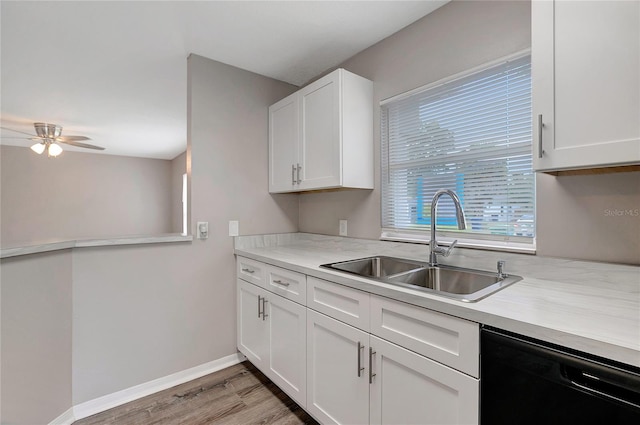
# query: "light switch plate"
234 228
343 227
203 229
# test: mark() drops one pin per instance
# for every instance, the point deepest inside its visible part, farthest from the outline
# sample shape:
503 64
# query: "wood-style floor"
237 395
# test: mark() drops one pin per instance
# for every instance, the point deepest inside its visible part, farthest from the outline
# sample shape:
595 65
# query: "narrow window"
184 204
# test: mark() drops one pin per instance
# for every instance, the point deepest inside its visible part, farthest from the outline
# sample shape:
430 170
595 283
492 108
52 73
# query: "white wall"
81 195
458 36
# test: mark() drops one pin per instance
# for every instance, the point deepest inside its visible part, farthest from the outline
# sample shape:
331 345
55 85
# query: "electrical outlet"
343 227
203 230
234 228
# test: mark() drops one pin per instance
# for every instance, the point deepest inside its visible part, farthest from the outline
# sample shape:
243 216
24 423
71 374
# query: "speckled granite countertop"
588 306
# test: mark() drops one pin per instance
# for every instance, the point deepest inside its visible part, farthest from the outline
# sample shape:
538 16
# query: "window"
470 134
184 204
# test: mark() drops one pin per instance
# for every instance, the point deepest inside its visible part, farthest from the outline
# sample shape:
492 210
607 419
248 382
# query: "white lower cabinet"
252 331
271 332
411 389
337 371
357 378
335 363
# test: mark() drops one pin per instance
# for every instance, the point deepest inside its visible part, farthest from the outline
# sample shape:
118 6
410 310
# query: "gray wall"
144 312
81 195
458 36
36 337
166 308
593 217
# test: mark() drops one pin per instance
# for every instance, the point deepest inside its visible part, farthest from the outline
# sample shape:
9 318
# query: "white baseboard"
118 398
66 418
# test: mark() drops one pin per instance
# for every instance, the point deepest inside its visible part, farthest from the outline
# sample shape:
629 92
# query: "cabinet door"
411 389
252 330
287 347
320 141
337 371
283 144
586 83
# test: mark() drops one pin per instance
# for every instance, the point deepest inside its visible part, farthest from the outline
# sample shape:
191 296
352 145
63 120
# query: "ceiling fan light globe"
54 149
38 148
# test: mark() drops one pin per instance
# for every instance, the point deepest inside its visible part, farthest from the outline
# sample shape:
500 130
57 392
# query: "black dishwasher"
526 381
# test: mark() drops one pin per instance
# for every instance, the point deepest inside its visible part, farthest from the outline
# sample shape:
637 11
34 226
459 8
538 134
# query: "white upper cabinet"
321 137
586 84
283 155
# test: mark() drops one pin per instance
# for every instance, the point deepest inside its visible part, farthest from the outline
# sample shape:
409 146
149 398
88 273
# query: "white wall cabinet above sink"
321 137
586 84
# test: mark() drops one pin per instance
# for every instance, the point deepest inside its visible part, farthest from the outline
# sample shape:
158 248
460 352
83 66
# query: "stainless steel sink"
377 267
454 282
467 285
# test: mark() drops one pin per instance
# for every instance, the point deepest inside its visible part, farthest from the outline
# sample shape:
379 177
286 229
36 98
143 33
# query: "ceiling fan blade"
18 131
64 139
80 145
17 138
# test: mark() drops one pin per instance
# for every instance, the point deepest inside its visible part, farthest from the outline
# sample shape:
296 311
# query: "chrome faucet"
434 249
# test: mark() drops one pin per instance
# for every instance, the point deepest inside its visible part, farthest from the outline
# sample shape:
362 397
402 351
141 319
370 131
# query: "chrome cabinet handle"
248 271
299 179
371 374
280 282
540 126
259 312
264 308
293 174
360 368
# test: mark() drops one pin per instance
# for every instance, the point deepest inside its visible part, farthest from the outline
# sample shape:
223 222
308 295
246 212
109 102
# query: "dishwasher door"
525 381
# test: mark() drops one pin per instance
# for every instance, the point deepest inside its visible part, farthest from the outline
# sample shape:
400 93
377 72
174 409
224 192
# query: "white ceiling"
117 71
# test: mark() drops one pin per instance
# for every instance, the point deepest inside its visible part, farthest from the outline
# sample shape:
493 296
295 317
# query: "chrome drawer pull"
248 271
371 374
264 308
360 368
540 126
280 282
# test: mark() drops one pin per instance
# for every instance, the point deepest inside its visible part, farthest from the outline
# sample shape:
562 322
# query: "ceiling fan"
48 137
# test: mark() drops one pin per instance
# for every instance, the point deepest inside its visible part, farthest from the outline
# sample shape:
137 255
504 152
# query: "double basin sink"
453 282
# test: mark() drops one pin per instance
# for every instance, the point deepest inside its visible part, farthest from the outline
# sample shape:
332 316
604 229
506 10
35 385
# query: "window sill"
488 245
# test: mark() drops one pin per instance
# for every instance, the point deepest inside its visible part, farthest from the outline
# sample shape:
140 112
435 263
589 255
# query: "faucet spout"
434 249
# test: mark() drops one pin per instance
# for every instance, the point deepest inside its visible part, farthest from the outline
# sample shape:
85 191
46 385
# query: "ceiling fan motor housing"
47 131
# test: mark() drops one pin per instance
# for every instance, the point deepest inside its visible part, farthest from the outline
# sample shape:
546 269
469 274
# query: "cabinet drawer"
340 302
251 271
449 340
291 285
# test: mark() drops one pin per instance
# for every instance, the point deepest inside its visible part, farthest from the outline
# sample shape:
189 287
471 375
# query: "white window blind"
472 135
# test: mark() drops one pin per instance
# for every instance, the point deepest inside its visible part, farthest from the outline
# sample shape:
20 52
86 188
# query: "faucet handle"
500 265
448 250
